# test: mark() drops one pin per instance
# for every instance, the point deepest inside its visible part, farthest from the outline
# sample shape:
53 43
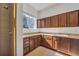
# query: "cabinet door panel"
43 23
38 23
65 45
54 43
26 45
47 41
54 21
73 19
62 20
31 44
58 44
39 40
36 42
74 47
26 50
47 22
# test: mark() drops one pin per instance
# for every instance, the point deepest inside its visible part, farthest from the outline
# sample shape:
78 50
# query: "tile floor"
42 51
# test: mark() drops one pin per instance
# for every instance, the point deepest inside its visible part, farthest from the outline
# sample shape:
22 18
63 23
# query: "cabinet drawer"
26 39
26 42
26 50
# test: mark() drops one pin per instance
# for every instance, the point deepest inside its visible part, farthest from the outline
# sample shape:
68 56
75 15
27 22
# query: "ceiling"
41 6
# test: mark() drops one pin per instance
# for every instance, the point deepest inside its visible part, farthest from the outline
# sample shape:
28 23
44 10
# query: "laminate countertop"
66 35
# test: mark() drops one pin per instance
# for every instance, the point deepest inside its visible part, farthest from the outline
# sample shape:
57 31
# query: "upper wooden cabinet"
69 19
62 20
73 19
47 22
38 23
42 24
54 21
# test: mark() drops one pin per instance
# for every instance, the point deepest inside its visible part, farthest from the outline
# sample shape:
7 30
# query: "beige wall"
29 10
19 28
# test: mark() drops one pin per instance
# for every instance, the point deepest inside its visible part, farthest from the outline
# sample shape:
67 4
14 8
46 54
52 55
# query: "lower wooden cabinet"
26 50
56 43
39 38
61 44
26 45
74 47
47 41
65 45
31 44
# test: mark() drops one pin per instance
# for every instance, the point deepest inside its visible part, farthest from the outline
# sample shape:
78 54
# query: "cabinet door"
47 22
36 42
39 40
54 21
43 23
47 41
26 50
74 47
31 44
38 23
62 20
54 43
58 43
72 19
65 45
26 42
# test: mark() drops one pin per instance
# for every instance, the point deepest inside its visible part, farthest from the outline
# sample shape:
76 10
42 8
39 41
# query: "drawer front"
26 50
26 42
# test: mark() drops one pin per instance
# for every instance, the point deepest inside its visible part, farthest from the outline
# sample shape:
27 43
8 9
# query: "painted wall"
58 9
29 10
19 28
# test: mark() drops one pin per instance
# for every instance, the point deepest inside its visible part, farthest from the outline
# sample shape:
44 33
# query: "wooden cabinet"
47 41
42 23
54 42
69 19
26 45
54 21
65 45
47 22
37 40
62 20
73 19
38 23
31 43
74 47
61 44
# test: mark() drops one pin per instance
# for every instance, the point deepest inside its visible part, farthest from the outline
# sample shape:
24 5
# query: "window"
29 21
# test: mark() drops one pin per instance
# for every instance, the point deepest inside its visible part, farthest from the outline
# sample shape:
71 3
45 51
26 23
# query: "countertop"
66 35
